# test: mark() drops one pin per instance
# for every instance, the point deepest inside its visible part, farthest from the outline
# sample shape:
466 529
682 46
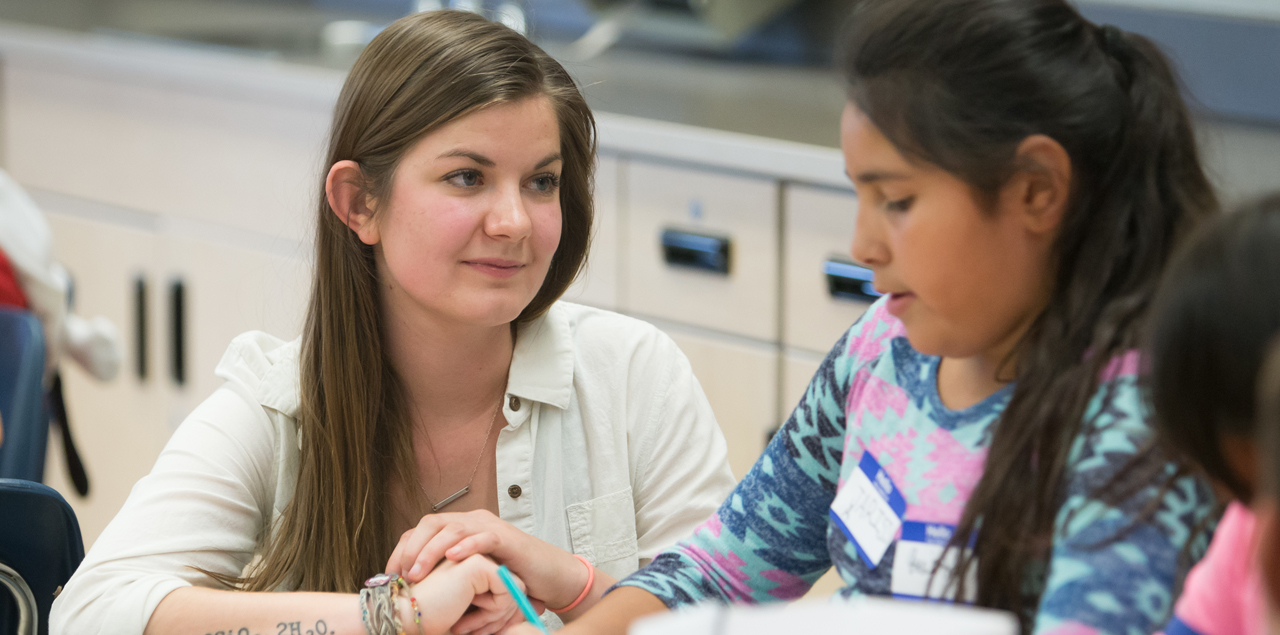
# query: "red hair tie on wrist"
591 580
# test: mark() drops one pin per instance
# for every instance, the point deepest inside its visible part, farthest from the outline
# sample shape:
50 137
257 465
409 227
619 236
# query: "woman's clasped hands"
464 596
552 577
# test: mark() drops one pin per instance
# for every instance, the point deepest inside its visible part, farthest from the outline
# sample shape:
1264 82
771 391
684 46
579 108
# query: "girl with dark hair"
437 372
1214 315
979 433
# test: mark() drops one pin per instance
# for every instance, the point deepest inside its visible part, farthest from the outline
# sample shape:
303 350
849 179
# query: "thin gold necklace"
435 507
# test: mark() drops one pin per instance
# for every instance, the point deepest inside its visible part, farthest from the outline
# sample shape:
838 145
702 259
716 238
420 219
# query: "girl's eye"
900 205
464 178
546 183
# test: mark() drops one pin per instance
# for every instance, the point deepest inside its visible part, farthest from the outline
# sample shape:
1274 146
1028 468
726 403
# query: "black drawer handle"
140 326
178 331
696 251
848 281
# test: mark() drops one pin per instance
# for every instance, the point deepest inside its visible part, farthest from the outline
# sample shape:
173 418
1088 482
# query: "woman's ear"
350 201
1041 186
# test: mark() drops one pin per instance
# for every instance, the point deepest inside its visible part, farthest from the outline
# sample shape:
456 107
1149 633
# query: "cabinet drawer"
741 382
702 248
823 290
597 285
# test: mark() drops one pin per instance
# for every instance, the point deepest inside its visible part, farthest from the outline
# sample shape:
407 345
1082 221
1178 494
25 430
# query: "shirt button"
514 491
515 406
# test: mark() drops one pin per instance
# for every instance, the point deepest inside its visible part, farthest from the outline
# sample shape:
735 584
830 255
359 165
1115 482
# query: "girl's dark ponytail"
959 84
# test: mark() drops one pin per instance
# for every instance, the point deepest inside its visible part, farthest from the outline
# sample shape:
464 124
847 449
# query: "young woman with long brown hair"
437 372
980 434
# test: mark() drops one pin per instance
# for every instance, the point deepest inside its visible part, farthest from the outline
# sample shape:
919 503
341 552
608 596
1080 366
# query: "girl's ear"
344 187
1041 185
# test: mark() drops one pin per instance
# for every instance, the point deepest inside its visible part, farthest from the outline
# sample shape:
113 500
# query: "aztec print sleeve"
768 540
1109 574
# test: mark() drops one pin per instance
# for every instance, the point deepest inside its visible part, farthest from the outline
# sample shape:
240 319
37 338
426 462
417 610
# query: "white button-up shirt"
609 437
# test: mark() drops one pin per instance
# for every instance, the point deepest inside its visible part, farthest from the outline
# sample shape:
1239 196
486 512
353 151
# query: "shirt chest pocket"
603 530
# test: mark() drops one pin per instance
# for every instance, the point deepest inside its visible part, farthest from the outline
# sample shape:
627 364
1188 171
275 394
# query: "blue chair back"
40 539
26 425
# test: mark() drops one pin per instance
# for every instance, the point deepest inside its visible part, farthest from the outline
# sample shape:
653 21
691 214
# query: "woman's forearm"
614 613
443 598
200 611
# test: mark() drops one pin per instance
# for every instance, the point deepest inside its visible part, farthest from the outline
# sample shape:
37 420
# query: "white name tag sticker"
920 548
869 510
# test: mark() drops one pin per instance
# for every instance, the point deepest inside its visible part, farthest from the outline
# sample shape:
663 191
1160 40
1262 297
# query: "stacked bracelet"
591 580
382 618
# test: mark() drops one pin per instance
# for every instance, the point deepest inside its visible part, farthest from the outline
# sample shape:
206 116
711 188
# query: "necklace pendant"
456 495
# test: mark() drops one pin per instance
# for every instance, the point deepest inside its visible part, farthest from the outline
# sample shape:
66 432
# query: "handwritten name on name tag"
921 548
869 510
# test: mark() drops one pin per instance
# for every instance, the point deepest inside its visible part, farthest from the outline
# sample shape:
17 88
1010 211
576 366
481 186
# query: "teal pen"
522 600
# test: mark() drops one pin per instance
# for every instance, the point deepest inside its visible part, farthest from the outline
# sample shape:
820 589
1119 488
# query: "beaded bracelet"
417 614
591 580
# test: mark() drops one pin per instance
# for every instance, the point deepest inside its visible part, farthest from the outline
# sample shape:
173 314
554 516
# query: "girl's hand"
452 589
555 578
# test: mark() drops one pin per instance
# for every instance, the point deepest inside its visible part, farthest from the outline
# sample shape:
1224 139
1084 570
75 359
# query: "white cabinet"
740 379
122 425
707 220
597 285
819 234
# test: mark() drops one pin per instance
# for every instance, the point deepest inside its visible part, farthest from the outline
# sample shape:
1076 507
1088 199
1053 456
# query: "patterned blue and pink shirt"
875 396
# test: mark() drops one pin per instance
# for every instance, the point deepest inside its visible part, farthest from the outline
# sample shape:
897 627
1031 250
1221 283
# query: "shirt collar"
542 362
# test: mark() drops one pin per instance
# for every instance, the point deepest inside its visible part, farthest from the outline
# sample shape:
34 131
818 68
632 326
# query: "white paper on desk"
864 616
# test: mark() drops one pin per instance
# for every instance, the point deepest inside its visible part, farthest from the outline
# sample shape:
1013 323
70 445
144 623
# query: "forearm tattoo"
285 628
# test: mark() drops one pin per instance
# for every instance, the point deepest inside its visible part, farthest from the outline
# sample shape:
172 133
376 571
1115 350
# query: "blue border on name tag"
931 533
1178 627
928 533
881 482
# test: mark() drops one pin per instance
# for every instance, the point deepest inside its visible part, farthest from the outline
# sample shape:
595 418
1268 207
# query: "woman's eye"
546 183
900 205
464 178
